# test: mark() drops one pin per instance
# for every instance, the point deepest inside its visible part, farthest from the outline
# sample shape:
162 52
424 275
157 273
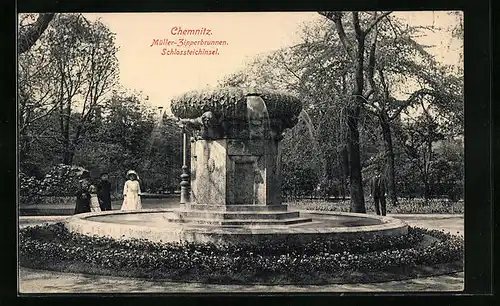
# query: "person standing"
83 197
132 192
104 192
94 200
378 192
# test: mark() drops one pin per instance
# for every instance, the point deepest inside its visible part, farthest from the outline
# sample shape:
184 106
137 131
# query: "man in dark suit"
378 192
104 192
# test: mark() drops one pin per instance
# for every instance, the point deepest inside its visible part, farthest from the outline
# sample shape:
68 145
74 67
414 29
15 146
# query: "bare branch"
28 123
413 97
384 83
336 17
371 63
375 109
375 21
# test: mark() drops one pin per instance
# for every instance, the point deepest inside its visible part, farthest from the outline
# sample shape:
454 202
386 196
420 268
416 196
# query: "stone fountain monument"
234 176
231 185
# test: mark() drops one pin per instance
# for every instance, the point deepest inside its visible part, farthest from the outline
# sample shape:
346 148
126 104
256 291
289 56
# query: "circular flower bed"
229 103
321 261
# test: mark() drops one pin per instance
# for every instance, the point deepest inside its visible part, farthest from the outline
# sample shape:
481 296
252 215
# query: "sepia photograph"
240 152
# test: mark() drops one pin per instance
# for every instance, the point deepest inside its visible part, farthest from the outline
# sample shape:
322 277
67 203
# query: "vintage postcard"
224 152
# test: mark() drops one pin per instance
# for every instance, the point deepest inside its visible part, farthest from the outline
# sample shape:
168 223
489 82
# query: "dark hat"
104 173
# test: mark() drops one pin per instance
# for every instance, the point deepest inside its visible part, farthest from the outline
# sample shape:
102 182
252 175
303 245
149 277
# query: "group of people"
97 197
94 198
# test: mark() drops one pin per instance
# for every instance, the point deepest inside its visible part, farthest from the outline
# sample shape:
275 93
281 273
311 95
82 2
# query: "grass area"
419 253
405 206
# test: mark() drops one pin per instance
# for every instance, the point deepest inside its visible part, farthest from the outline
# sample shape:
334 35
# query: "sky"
161 77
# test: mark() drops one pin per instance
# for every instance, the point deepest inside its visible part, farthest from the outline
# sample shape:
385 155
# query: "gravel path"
36 281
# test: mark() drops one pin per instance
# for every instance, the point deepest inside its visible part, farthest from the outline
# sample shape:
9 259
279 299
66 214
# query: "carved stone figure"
207 123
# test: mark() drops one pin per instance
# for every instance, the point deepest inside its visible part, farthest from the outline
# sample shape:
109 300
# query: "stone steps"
246 207
244 215
236 222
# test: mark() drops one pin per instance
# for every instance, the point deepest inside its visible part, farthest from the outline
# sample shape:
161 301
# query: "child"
82 198
104 192
94 200
132 192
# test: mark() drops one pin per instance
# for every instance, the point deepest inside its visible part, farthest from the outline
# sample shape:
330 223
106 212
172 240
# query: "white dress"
94 203
131 198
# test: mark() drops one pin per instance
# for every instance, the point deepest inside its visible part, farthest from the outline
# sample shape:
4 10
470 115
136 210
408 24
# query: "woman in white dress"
132 192
94 201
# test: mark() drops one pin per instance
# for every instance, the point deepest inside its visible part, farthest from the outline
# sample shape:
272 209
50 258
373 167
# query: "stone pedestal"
235 172
235 182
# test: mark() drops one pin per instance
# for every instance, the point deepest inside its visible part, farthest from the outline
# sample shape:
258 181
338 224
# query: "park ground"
40 281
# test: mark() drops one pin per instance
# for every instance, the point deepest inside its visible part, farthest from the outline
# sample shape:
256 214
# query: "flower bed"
414 206
321 261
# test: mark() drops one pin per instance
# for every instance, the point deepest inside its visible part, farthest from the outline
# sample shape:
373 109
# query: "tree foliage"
72 111
400 78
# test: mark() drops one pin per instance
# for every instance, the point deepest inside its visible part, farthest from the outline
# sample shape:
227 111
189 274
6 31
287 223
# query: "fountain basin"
162 225
230 103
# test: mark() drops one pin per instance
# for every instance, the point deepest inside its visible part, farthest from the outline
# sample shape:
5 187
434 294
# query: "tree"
419 138
83 57
72 110
321 73
396 64
37 100
447 170
355 47
28 34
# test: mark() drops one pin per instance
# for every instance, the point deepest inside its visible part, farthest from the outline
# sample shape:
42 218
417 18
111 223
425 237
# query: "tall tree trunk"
326 162
389 154
345 170
66 137
70 153
426 189
355 179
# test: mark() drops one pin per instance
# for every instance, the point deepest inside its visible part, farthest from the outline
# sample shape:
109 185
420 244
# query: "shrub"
330 188
29 189
216 262
298 180
433 206
61 180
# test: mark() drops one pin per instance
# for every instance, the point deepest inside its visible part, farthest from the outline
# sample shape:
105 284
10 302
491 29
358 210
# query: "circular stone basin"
155 225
